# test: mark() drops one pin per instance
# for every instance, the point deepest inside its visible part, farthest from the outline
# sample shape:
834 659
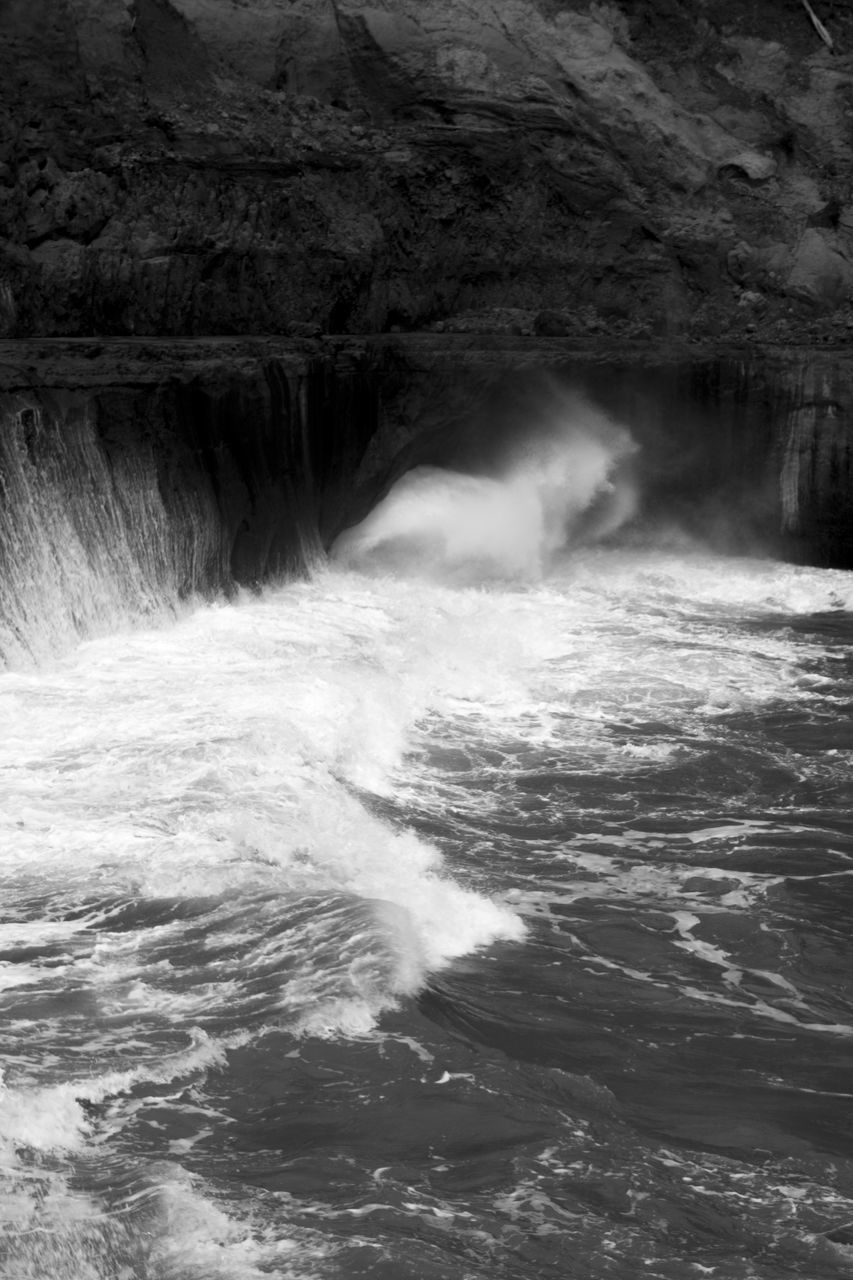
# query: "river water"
437 925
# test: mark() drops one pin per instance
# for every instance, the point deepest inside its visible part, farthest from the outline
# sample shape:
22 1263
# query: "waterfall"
87 541
117 504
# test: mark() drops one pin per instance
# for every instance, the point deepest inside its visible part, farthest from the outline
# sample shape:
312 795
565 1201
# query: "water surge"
564 480
475 901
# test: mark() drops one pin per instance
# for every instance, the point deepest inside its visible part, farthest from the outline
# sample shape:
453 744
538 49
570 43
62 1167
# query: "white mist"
566 482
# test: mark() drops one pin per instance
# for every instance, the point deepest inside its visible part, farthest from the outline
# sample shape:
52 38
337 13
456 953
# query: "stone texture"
816 459
822 268
202 166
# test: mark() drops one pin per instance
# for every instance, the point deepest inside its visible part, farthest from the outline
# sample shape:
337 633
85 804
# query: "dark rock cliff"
666 167
508 190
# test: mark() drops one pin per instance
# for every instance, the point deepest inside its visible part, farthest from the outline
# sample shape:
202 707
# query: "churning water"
489 917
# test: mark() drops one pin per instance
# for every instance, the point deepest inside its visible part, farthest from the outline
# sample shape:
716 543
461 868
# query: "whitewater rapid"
201 848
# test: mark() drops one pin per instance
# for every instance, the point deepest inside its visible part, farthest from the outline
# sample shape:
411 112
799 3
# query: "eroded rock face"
816 460
547 166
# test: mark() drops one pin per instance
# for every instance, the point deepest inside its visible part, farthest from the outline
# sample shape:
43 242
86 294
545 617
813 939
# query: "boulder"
822 271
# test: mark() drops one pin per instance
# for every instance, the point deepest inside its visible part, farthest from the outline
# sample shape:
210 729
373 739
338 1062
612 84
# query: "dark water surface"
380 928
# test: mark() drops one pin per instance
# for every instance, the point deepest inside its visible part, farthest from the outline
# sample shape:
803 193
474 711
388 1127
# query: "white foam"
173 1225
54 1117
221 759
240 767
683 580
198 1236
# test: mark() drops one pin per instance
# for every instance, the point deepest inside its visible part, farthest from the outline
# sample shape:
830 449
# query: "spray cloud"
563 479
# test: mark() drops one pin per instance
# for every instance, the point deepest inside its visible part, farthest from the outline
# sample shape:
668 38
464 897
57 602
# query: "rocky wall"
816 461
675 168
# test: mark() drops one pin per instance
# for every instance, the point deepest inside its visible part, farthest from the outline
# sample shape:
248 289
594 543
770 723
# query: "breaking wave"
570 484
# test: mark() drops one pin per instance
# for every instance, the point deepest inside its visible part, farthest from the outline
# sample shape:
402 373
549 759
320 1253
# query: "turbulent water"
437 925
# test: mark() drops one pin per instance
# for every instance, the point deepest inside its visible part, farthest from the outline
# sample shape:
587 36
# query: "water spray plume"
565 480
